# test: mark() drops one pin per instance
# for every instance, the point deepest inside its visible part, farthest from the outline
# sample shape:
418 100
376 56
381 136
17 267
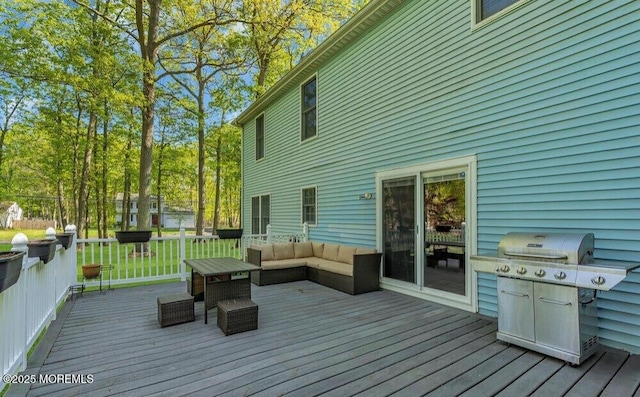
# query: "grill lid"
564 248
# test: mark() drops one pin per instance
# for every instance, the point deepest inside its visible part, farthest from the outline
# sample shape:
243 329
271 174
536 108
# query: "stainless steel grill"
547 286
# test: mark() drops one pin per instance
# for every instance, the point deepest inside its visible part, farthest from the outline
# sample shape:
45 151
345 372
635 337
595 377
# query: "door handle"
554 302
518 294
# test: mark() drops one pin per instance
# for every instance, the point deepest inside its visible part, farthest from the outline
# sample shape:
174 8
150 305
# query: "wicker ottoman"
175 309
237 315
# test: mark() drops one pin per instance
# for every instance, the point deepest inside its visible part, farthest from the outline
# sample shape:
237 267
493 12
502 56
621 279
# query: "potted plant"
91 270
65 239
229 233
43 249
133 236
10 268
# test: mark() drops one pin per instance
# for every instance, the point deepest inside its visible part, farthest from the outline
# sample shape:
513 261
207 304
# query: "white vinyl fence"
29 306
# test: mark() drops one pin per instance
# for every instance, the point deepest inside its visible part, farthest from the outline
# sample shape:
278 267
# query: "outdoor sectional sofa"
353 270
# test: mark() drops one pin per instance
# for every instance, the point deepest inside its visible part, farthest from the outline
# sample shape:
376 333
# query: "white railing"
455 235
29 306
162 258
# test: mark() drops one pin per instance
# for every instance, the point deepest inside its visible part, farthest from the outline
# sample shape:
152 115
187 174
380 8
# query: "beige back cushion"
364 250
283 251
267 251
303 250
345 254
330 252
317 249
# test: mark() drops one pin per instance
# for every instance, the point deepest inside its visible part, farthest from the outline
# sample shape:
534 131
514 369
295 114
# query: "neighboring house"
171 217
418 115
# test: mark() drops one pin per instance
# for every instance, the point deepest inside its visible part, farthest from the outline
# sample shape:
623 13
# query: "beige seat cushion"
345 254
283 264
303 250
283 251
330 252
331 266
266 251
365 250
317 249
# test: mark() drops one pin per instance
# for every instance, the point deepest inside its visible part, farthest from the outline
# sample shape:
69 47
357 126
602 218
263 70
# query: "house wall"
547 98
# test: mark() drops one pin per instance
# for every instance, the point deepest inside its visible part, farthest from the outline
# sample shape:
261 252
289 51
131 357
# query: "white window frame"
476 8
260 217
469 302
301 110
315 204
263 136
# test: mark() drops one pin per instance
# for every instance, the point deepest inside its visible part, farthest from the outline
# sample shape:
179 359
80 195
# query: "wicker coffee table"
222 280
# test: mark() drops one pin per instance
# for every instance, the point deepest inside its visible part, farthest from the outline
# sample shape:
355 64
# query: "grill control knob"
505 269
522 271
540 273
598 280
560 275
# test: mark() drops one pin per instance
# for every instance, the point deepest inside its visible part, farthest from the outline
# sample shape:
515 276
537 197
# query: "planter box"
65 239
10 268
224 234
43 249
133 236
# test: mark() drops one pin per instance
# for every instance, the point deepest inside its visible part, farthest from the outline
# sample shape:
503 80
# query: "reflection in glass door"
398 224
444 223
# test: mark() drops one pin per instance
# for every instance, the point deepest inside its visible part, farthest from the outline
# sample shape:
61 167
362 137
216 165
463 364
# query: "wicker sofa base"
279 276
237 315
366 270
175 309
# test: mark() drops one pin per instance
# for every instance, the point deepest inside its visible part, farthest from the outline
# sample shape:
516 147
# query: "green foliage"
72 97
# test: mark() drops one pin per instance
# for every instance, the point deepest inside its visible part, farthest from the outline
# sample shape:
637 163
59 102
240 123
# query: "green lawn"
126 258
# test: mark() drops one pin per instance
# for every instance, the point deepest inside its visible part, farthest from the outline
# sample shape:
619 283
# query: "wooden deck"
310 340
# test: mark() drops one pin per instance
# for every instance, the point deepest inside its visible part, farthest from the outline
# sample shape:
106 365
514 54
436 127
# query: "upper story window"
309 113
488 8
260 137
309 205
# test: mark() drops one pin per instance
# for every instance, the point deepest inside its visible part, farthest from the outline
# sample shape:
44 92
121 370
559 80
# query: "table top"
219 266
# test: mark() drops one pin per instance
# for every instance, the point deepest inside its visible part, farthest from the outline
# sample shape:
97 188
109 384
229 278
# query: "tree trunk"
159 185
61 208
216 207
83 192
146 154
148 52
201 156
105 183
126 194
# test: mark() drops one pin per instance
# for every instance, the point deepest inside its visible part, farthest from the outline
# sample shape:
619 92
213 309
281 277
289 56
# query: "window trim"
302 111
315 204
260 217
476 8
261 115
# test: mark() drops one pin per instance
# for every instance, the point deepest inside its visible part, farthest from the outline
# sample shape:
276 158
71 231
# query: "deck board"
626 381
311 340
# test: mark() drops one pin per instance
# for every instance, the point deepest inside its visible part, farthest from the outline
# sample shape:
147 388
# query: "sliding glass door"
426 218
444 213
398 223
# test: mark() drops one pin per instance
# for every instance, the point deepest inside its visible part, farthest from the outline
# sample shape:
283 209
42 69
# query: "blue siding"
547 97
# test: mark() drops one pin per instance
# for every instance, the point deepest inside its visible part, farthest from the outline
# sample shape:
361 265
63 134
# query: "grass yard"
157 258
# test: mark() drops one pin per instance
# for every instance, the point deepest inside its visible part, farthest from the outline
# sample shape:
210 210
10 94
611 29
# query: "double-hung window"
260 137
488 8
309 113
309 205
260 213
